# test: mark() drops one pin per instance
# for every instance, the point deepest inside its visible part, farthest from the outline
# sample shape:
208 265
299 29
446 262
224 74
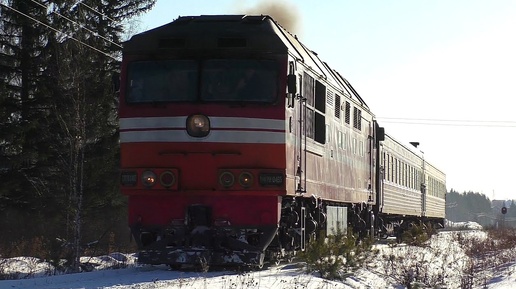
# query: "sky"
441 72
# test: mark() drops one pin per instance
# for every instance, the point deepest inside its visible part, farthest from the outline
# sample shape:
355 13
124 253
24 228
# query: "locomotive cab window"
162 81
242 80
239 80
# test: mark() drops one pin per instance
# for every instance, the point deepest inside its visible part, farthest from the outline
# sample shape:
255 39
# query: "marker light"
226 179
167 179
148 178
198 125
245 179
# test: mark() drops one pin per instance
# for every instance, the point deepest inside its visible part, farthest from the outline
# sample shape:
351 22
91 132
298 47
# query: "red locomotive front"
238 145
202 135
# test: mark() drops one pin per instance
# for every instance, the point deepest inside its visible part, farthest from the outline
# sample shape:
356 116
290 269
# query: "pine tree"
22 140
84 110
58 121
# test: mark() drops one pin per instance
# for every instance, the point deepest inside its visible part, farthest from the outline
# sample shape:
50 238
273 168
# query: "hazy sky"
440 72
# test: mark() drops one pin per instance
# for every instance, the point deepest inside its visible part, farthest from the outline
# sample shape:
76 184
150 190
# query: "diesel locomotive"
239 145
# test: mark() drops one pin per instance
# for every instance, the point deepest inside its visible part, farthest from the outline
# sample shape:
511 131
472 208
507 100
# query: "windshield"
157 81
241 80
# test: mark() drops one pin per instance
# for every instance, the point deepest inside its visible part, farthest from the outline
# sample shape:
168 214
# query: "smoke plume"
284 12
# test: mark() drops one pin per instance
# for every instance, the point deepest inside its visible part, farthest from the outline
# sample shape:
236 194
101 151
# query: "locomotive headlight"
227 179
245 179
167 179
198 125
148 178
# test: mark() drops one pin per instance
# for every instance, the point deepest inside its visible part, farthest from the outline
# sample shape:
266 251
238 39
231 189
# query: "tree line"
476 207
58 126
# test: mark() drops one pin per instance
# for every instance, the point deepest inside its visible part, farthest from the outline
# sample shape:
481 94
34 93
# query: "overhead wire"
448 122
100 13
58 31
78 24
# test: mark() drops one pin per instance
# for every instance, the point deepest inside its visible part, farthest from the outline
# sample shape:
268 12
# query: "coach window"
391 165
386 165
412 182
398 171
405 174
402 173
391 168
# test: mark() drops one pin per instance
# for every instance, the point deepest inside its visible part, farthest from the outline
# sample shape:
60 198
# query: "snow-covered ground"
441 263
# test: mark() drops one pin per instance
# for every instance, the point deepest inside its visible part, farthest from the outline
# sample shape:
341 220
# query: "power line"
100 13
448 122
80 25
58 31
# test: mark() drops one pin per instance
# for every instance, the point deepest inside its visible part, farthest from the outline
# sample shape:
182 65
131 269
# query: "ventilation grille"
347 112
337 106
329 97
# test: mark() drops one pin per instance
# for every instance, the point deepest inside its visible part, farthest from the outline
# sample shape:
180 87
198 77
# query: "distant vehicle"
239 146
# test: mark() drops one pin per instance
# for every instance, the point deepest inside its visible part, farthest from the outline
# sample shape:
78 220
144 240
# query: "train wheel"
290 258
203 265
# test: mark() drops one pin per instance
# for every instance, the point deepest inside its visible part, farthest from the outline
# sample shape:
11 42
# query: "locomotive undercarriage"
228 246
200 241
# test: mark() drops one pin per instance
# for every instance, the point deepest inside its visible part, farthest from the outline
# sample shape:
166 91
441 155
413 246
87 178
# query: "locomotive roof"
254 32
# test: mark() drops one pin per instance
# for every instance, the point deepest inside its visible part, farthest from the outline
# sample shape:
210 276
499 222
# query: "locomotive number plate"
271 179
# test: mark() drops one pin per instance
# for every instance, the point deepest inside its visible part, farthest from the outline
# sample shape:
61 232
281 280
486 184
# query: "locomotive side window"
310 120
308 89
320 97
315 94
239 80
160 81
